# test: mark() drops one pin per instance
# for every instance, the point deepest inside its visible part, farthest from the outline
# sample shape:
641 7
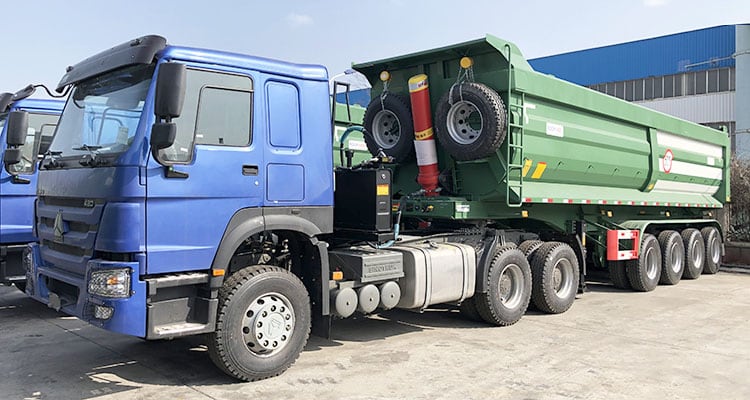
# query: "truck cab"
18 180
148 199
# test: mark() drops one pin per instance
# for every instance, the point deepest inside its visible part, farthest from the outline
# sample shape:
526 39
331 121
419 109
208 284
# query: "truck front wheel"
263 323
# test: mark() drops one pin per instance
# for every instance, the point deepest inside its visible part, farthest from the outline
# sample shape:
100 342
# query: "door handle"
251 170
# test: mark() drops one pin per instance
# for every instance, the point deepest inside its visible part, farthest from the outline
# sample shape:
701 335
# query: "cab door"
215 169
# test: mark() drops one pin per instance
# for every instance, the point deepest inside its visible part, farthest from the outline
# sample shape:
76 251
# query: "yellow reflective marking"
539 170
423 135
526 167
382 190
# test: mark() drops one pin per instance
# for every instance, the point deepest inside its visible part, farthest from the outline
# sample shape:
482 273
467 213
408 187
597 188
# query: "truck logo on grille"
59 226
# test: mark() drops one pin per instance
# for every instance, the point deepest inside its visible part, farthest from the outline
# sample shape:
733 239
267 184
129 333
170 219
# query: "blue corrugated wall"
664 55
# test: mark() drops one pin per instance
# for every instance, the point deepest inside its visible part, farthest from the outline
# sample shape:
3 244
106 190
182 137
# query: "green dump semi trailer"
631 190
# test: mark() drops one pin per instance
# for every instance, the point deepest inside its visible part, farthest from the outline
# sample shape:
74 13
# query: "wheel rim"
714 249
268 324
696 255
386 129
464 122
510 286
650 263
562 278
677 256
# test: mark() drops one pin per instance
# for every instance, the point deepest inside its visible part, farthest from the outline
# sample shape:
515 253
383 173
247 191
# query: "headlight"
110 282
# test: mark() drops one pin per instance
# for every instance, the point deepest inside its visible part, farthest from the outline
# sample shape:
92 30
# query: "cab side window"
217 111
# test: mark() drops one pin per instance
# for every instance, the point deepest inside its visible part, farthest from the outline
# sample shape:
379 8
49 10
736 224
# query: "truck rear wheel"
695 253
644 273
262 325
672 257
554 272
712 243
389 126
528 247
470 121
618 275
508 288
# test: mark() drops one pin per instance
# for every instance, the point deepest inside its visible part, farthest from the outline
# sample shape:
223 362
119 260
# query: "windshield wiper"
92 159
53 161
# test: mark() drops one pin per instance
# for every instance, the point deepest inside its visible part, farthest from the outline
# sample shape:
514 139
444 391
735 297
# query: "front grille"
67 249
72 225
75 202
69 245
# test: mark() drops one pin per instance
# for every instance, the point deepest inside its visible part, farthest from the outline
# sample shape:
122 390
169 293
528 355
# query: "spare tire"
389 126
470 121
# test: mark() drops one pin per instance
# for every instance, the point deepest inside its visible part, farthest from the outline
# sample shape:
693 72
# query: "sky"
42 37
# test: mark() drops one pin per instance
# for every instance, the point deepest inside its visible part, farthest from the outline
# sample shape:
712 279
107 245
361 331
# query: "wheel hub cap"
464 122
562 278
386 129
268 324
509 286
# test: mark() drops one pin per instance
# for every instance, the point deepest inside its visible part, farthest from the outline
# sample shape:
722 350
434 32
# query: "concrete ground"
686 341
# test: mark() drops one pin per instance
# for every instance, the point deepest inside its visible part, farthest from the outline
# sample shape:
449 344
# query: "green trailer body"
569 152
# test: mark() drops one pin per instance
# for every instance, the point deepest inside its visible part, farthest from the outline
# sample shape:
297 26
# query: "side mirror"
5 100
11 157
163 135
170 91
18 126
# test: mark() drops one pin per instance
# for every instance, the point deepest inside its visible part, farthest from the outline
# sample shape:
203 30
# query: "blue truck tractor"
18 181
195 192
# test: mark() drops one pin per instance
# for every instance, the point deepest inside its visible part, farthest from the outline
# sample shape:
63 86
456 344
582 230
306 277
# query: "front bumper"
68 292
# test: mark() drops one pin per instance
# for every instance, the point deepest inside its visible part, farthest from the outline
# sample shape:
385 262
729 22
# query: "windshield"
102 113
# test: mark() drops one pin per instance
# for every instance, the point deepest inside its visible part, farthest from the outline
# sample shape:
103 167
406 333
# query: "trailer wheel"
468 309
712 242
470 121
644 273
554 272
389 126
509 288
263 323
695 253
672 257
618 275
528 247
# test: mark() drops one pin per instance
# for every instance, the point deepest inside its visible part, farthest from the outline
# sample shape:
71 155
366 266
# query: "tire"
555 276
645 272
470 121
389 126
508 288
618 275
672 257
468 309
695 253
256 297
712 244
528 247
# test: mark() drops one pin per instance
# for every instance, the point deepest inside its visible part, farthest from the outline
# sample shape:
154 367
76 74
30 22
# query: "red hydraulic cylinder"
424 140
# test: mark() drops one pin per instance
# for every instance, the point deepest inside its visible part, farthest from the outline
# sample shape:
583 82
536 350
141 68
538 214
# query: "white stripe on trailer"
694 146
690 169
684 187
